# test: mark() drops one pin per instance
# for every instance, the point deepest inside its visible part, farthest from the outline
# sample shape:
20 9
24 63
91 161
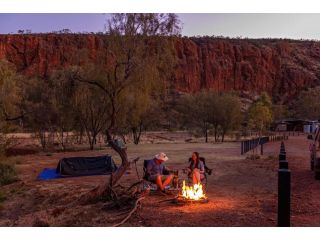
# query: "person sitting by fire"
197 168
158 173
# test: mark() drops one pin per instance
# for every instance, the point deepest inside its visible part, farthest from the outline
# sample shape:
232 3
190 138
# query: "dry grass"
7 173
236 183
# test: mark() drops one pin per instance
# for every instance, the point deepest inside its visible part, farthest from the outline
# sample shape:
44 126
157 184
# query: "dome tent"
82 166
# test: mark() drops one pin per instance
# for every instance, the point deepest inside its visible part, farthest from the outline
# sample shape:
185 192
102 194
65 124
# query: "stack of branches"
124 203
124 200
128 201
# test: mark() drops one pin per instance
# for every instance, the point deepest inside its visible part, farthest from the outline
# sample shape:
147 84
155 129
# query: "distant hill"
282 67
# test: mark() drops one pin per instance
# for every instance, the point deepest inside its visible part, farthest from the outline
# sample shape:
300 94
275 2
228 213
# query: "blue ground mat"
48 173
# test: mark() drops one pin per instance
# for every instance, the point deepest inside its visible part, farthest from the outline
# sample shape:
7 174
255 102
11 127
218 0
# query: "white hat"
161 156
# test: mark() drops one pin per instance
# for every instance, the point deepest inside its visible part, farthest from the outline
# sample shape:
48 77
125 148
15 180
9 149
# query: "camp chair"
207 171
147 183
145 165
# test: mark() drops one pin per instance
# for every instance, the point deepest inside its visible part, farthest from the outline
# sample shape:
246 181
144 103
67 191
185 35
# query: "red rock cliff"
280 67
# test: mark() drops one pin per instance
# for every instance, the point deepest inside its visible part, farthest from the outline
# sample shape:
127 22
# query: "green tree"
260 114
79 105
307 105
142 111
265 99
280 112
41 116
195 112
138 52
62 101
91 112
230 110
9 103
9 86
215 112
208 110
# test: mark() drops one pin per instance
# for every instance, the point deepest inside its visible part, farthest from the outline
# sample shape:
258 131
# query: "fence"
247 145
274 138
314 153
284 189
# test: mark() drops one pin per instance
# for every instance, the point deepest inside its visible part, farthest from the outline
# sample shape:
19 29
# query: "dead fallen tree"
107 191
136 205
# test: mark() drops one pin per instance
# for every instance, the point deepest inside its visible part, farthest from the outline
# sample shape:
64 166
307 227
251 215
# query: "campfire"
194 192
191 194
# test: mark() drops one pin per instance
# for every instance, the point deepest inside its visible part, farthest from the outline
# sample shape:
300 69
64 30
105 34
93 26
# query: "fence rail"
247 145
274 138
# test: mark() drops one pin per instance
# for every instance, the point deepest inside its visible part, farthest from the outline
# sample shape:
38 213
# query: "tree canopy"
260 113
208 110
307 104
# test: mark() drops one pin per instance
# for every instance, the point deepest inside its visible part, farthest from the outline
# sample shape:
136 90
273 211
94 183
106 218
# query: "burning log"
194 192
191 194
182 201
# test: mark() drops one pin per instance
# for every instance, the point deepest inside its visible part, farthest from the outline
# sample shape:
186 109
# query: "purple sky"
246 25
42 22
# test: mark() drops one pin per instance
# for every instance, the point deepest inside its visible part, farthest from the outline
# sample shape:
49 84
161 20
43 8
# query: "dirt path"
242 191
305 189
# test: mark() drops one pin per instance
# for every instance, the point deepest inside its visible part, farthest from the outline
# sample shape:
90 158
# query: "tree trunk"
115 176
206 135
123 137
80 136
205 131
90 139
222 136
106 189
60 137
62 141
136 134
42 137
91 143
216 133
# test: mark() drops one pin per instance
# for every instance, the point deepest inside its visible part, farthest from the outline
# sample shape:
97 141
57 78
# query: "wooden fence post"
312 156
316 167
242 147
284 191
245 146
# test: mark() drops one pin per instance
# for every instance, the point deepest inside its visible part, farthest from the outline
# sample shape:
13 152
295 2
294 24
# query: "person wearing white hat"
158 173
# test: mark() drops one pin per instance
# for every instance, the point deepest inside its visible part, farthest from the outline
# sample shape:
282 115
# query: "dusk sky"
253 25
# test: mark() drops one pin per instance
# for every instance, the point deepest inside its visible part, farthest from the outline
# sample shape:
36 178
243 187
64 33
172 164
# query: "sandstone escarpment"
280 67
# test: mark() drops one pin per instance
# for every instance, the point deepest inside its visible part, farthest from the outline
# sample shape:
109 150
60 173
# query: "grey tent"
82 166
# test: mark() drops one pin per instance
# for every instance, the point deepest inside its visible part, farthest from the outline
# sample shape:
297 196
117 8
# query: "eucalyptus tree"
139 57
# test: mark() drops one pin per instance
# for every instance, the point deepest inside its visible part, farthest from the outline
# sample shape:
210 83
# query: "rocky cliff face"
280 67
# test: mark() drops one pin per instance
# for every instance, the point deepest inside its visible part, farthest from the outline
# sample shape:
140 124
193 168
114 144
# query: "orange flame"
194 192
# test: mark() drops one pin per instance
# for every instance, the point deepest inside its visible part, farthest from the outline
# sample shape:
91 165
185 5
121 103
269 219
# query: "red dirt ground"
241 191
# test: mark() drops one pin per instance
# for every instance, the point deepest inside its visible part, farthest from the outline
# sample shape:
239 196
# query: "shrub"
7 173
40 223
5 142
2 197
